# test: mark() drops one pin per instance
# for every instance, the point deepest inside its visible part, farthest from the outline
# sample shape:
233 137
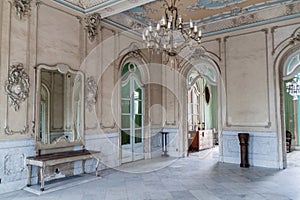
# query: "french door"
132 120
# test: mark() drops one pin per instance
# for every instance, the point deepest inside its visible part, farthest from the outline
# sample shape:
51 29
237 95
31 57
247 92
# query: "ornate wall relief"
22 8
14 164
92 22
8 131
91 92
296 37
17 85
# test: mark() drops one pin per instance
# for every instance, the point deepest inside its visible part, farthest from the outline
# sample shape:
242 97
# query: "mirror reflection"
61 104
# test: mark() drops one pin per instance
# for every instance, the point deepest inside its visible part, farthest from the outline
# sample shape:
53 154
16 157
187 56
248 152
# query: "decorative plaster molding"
62 140
91 127
245 17
170 123
199 53
17 86
22 8
8 131
295 39
133 48
14 164
92 22
108 127
91 93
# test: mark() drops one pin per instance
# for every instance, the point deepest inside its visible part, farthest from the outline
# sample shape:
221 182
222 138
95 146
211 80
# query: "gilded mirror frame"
61 142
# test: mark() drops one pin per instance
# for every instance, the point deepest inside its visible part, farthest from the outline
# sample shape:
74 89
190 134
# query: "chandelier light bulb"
195 29
191 24
158 27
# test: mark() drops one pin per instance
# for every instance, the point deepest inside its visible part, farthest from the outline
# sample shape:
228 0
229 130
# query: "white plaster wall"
108 144
262 148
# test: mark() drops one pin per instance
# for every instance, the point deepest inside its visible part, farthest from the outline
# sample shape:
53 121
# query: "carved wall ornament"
62 140
14 164
17 86
91 92
199 53
8 131
92 22
22 8
296 37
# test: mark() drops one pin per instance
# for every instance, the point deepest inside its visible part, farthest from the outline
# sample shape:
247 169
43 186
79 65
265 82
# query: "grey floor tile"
199 176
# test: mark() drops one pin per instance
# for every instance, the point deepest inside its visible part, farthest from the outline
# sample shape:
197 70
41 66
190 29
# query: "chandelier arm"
185 34
166 3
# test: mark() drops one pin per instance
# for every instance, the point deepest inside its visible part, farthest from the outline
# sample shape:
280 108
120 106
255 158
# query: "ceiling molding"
105 8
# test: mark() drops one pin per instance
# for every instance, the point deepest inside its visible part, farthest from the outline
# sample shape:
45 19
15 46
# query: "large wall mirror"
59 107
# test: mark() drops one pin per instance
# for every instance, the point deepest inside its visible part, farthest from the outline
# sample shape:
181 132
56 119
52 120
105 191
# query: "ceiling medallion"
170 36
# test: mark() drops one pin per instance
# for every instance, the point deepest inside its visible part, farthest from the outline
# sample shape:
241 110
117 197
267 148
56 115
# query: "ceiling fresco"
201 10
135 14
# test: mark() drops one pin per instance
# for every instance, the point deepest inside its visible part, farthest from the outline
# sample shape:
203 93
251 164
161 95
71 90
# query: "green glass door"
132 120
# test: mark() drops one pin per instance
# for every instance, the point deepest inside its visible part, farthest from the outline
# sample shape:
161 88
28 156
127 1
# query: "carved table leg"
42 171
29 168
97 166
83 166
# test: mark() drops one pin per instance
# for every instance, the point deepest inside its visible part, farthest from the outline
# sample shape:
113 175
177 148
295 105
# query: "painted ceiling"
134 14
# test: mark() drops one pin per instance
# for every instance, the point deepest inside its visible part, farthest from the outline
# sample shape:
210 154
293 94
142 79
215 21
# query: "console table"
46 160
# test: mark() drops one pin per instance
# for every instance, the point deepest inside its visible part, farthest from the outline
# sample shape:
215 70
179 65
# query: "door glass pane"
138 121
125 137
126 91
138 135
125 121
126 106
138 92
125 70
137 107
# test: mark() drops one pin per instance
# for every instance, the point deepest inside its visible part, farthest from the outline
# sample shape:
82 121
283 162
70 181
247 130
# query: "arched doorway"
291 95
202 108
132 113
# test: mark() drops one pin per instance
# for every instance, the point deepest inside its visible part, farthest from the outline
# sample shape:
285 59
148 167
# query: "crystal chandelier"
293 87
169 35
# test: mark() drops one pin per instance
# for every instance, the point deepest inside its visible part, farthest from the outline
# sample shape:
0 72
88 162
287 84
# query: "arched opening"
132 113
291 93
202 108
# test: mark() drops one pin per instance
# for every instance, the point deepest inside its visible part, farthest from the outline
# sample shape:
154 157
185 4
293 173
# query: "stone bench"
53 159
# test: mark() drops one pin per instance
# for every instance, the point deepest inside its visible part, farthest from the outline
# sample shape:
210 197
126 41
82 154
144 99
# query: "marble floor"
198 176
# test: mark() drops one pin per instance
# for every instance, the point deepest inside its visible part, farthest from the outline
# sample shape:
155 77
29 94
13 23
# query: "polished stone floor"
199 176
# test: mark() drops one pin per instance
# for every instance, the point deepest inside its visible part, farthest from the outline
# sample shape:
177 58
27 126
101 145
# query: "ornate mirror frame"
61 142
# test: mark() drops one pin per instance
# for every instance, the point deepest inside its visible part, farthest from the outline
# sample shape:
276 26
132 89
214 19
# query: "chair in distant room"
288 141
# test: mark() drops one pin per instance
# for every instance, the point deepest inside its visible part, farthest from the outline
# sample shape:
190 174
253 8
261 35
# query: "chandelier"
170 35
293 87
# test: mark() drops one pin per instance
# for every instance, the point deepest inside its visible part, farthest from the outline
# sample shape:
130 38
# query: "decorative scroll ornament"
17 86
22 7
199 53
92 22
296 37
8 131
91 92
